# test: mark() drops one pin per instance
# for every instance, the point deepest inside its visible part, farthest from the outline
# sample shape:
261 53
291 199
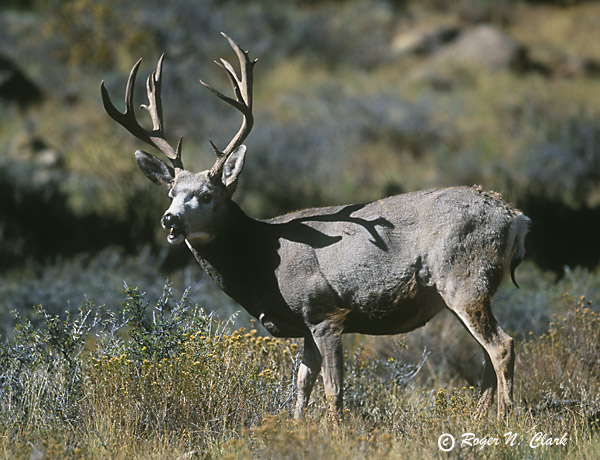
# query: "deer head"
198 200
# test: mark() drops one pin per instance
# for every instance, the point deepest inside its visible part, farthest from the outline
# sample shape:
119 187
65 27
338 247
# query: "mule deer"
384 267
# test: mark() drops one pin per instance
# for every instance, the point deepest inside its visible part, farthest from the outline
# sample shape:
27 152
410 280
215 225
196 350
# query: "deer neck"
232 258
242 261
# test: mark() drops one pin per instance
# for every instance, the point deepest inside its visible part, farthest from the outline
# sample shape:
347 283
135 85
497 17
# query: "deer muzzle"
175 226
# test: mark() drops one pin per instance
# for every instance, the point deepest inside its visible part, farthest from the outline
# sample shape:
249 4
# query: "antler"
127 119
242 89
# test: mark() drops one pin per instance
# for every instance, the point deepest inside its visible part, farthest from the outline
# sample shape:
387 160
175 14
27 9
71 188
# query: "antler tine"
153 87
242 89
128 120
246 70
154 108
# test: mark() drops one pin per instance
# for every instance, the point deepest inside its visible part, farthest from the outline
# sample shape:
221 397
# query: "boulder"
485 46
423 41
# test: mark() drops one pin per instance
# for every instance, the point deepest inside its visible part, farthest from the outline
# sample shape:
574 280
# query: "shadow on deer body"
384 267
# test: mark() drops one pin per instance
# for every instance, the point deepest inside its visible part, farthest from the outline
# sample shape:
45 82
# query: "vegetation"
168 381
343 114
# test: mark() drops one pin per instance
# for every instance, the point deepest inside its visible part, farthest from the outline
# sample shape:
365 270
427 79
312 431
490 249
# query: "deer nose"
170 221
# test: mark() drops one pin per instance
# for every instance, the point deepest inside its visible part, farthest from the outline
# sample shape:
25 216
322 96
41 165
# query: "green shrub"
561 367
163 379
41 372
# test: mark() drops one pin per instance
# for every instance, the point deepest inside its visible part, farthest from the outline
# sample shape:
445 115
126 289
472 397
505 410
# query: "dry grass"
187 388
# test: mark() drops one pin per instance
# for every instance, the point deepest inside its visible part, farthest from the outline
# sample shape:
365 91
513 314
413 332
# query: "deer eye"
206 198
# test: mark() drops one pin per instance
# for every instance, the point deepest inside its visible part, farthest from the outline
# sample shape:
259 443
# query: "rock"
485 46
575 66
424 41
49 158
34 149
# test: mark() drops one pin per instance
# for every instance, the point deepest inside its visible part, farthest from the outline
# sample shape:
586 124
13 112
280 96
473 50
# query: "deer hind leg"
498 346
488 387
307 374
328 339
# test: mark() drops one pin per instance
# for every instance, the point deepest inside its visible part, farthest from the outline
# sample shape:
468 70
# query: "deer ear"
232 169
155 169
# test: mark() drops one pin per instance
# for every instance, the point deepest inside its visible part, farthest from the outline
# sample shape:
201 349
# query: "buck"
384 267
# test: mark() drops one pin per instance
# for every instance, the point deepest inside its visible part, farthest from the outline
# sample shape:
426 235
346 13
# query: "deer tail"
516 242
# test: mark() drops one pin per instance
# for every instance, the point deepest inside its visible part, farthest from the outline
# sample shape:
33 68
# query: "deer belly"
382 315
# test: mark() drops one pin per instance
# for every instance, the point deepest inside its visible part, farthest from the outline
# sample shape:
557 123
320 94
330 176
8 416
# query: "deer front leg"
307 374
328 339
